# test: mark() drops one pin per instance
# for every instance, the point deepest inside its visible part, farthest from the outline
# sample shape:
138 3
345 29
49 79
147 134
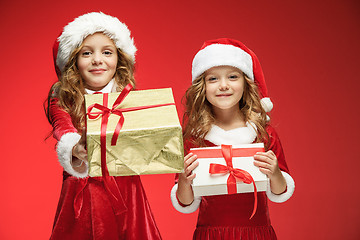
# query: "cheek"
113 63
207 92
240 94
207 97
81 65
210 95
210 89
239 90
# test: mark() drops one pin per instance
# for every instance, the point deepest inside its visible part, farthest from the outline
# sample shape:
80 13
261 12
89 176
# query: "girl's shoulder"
271 130
275 145
53 100
54 105
55 111
273 139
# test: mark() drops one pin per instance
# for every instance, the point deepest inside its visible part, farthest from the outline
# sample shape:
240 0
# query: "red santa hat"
230 52
76 31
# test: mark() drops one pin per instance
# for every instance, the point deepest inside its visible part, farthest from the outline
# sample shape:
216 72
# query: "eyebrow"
106 46
112 46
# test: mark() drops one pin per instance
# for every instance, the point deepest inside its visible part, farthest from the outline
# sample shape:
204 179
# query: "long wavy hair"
70 90
198 116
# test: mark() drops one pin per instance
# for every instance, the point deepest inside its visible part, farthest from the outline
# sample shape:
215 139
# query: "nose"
223 84
97 59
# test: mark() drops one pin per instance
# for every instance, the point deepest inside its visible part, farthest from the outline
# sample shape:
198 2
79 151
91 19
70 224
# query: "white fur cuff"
64 152
279 198
188 209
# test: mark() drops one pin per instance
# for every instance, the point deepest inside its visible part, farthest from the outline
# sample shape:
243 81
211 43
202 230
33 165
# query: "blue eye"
86 53
108 53
212 79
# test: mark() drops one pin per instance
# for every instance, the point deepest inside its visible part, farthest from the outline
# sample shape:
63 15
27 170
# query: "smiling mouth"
224 95
97 71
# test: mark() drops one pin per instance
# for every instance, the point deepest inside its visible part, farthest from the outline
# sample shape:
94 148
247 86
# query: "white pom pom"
266 104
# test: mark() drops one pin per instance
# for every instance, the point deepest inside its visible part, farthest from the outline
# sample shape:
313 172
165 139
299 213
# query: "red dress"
227 216
89 209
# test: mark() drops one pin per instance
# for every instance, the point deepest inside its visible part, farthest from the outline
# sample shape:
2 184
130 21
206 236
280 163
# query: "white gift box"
206 184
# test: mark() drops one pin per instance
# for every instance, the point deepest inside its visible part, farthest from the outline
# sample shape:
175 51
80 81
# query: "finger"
263 158
193 165
75 150
262 165
81 150
271 153
82 156
188 170
190 160
191 177
265 171
188 156
263 154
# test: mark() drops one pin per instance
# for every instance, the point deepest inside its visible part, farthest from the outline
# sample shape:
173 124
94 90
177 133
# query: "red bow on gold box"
133 133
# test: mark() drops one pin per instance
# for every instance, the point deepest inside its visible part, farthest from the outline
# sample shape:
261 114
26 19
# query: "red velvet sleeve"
276 147
61 120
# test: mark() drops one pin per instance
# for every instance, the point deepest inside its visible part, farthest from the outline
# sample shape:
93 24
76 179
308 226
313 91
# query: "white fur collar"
106 89
242 135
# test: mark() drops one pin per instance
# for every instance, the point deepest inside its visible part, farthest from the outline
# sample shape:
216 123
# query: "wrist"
183 181
184 195
277 175
181 202
278 184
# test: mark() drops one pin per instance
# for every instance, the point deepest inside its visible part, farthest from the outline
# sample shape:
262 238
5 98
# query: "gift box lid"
138 119
244 162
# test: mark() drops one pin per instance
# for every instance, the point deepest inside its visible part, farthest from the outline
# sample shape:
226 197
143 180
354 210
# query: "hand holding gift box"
228 170
133 133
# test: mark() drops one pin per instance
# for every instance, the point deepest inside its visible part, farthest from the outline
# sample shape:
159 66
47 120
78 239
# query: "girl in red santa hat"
227 104
94 53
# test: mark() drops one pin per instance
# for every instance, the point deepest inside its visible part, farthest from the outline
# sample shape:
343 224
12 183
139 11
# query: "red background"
309 51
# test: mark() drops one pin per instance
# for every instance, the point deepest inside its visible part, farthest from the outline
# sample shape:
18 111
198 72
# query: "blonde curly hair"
70 90
198 116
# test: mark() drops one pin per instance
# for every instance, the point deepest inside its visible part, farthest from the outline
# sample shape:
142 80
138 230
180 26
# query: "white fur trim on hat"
290 188
266 104
188 209
76 31
222 55
64 152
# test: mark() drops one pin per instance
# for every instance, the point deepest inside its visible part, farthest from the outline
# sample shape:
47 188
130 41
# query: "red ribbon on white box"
227 152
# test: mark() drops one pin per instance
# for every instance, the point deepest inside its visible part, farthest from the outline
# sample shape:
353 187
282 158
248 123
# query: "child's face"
224 87
97 61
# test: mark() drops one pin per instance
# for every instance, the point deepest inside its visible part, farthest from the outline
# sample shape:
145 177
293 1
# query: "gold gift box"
150 140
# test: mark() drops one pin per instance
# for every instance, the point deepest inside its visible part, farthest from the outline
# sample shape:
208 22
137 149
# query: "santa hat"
230 52
76 31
